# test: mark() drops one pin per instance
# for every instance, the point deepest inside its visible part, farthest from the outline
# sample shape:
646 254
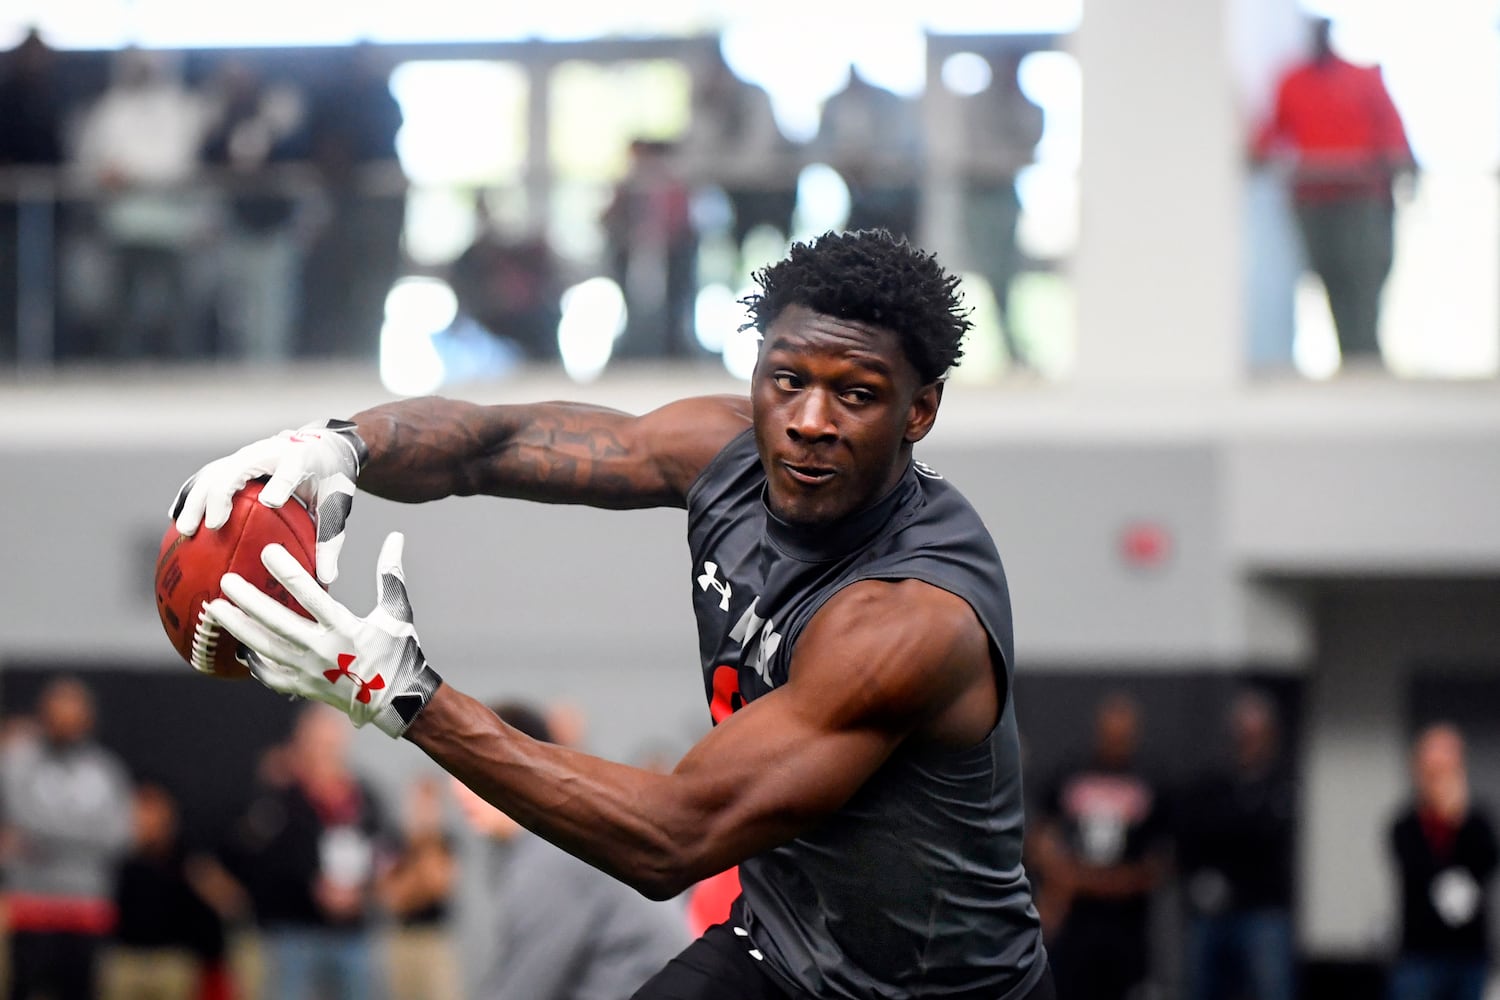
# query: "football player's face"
837 406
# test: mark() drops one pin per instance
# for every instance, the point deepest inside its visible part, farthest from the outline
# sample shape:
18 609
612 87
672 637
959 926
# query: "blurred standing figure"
417 891
311 849
356 256
511 286
733 143
1337 124
169 944
1445 855
873 138
66 803
140 142
257 125
564 929
654 248
30 105
1234 850
30 136
1099 853
1002 127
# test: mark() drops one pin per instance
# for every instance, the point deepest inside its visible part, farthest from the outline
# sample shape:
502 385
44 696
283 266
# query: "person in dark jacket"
169 941
310 848
1234 852
1445 855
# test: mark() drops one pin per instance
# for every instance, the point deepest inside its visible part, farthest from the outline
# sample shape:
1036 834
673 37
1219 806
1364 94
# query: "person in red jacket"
1337 125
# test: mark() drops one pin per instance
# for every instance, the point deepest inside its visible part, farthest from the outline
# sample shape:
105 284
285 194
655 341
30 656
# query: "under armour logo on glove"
310 658
346 660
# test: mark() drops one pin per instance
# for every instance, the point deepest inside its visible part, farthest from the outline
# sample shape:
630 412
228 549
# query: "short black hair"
870 276
527 719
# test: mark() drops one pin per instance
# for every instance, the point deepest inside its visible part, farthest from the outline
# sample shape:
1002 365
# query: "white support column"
1158 269
538 169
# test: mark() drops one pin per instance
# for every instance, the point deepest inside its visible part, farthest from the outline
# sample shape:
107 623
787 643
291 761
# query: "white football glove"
319 463
372 669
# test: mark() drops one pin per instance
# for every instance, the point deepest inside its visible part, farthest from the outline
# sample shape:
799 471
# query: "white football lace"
205 642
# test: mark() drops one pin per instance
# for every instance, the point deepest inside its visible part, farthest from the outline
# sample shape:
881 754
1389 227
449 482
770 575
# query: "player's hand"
318 463
372 669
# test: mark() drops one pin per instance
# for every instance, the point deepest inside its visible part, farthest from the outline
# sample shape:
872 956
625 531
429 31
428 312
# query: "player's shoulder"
723 415
875 602
685 436
940 490
734 458
868 619
945 522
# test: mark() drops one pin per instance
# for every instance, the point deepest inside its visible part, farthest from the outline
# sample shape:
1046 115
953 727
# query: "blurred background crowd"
319 883
458 210
267 208
315 883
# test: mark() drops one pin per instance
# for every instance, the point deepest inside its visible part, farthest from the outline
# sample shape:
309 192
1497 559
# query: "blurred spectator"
510 287
873 138
564 929
355 256
1445 856
734 144
66 803
140 142
257 124
169 943
30 136
309 846
417 891
1002 127
568 724
1336 123
653 249
1234 851
30 105
1100 858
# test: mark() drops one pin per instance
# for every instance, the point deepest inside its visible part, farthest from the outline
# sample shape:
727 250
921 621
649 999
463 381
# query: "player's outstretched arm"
880 664
424 449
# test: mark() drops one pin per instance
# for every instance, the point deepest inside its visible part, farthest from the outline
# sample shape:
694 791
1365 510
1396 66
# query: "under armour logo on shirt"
710 578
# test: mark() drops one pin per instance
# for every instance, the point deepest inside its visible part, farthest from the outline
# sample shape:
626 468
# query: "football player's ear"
923 412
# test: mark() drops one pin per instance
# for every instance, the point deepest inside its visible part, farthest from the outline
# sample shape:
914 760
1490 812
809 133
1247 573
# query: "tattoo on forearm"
552 452
560 451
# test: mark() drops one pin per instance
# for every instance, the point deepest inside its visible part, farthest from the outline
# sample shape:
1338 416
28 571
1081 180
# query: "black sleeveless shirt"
915 887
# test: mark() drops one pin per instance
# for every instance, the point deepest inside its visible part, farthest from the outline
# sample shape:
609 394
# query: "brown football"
189 568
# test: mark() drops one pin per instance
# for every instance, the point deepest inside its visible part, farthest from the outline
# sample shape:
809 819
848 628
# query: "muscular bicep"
880 665
553 452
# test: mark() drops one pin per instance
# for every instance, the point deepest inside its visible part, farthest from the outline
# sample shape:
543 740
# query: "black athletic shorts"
720 966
